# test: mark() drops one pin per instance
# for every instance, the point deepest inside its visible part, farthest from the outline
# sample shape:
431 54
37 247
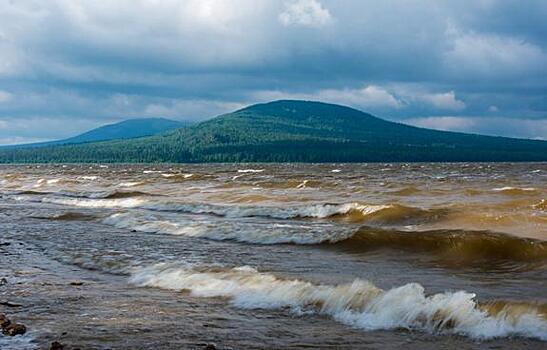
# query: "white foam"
320 211
18 342
358 304
130 184
168 175
308 211
96 203
266 233
302 184
92 178
509 188
250 170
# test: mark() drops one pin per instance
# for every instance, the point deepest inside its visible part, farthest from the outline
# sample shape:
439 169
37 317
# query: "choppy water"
456 253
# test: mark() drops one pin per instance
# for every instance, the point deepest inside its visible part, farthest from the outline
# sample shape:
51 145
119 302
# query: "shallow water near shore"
268 256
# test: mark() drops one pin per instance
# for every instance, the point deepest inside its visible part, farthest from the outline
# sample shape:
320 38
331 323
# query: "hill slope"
126 129
294 131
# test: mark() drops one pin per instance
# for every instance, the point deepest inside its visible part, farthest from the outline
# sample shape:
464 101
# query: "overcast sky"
70 65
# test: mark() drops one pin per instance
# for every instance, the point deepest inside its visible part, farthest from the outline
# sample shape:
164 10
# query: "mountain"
126 129
293 131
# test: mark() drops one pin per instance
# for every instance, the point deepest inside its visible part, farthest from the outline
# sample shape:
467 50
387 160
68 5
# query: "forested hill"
126 129
293 131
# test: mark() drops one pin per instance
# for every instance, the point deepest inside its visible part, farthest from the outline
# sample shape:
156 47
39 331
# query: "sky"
67 66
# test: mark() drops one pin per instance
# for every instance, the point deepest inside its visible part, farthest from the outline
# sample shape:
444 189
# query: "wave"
350 212
245 171
122 194
92 178
359 304
30 193
183 176
406 191
452 245
41 182
95 203
131 183
68 216
114 194
26 341
541 205
265 233
177 176
295 184
515 191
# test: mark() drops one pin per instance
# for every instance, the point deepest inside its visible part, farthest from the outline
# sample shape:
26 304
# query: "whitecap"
264 233
509 188
250 170
92 178
359 304
130 184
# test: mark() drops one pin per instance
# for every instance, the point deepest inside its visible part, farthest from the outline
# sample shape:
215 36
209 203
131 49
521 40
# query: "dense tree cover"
292 131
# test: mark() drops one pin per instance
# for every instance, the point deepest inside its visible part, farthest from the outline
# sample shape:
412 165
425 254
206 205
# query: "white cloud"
368 96
444 100
15 140
5 96
497 126
307 13
491 55
493 109
358 53
443 123
416 95
392 97
189 109
22 130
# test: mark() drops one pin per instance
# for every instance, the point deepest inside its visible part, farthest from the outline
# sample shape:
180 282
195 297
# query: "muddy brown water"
275 256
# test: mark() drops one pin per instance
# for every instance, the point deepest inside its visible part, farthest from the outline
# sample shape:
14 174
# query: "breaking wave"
265 233
95 203
68 216
122 194
515 191
458 246
359 304
113 194
244 171
351 212
455 245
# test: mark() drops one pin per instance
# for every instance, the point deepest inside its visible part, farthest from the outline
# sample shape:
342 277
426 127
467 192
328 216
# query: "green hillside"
293 131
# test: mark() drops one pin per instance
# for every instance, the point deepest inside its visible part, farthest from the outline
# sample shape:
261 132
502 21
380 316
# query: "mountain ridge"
295 131
125 129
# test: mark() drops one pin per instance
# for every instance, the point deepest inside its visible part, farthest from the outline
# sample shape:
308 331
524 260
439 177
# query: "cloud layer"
67 65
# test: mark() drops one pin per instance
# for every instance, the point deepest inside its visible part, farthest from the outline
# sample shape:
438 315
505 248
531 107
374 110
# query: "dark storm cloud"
419 61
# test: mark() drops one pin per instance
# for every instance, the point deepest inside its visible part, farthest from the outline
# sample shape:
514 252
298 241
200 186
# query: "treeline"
276 151
292 131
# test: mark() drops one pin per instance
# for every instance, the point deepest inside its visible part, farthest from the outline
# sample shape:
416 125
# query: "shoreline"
78 308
